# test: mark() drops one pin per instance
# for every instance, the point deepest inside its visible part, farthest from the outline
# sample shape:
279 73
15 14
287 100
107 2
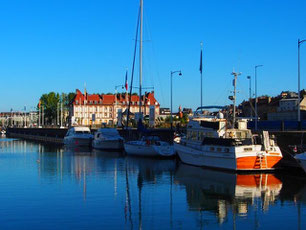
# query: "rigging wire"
153 60
133 67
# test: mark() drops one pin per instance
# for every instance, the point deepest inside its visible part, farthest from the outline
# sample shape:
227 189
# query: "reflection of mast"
299 214
139 183
84 181
171 204
115 180
128 198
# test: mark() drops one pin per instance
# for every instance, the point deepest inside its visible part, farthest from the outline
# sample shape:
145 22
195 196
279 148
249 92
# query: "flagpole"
201 67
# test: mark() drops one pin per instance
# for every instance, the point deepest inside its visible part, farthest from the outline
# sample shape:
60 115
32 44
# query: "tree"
49 103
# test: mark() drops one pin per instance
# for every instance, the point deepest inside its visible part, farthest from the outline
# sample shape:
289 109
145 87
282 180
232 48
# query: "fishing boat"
148 145
107 139
301 159
218 143
78 136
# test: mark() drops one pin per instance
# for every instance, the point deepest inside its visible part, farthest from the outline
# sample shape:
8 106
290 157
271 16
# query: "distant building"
287 110
19 119
289 104
164 111
95 109
265 105
187 111
281 107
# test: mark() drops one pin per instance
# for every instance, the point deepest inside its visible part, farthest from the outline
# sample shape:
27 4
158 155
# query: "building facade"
19 119
96 109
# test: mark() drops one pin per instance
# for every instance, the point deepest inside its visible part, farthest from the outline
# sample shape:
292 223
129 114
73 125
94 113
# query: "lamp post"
250 94
299 80
180 74
256 112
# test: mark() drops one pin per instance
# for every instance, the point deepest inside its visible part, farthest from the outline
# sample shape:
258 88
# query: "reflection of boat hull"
77 141
132 148
228 184
226 160
136 149
108 144
301 159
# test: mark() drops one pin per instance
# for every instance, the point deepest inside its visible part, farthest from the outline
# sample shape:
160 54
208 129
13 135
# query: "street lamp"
180 74
250 92
299 80
256 112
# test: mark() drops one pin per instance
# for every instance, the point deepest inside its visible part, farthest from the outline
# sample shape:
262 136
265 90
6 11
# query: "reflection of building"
89 109
217 191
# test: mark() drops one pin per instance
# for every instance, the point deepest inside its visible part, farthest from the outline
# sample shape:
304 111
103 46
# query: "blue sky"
58 45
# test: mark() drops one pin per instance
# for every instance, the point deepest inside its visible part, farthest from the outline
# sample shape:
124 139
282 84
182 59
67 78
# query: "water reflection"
224 193
111 190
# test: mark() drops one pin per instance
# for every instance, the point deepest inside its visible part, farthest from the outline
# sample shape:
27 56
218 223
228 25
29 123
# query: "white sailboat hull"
138 149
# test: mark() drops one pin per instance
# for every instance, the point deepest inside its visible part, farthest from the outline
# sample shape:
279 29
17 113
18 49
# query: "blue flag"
201 66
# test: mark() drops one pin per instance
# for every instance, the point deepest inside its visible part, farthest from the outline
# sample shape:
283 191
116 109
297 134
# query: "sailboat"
147 145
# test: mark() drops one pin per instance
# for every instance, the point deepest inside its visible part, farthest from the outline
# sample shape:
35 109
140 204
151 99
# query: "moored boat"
78 136
210 143
150 146
107 139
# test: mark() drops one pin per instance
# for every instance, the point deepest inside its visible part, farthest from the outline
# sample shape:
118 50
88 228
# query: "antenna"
234 97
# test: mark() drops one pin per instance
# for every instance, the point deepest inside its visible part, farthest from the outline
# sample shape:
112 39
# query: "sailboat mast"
140 55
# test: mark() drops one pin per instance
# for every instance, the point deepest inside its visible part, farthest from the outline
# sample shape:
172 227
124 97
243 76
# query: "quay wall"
56 135
51 135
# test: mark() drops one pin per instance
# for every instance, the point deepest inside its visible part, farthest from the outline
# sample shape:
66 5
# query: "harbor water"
52 187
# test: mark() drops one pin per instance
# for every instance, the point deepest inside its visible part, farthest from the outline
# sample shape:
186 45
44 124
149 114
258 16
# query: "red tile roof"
109 99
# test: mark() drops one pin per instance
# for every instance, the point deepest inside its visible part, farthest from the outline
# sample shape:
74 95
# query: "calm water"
47 187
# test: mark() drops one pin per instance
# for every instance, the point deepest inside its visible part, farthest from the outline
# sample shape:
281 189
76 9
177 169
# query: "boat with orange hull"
210 143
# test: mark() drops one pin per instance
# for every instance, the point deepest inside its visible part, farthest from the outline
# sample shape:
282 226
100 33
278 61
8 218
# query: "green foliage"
70 97
51 102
